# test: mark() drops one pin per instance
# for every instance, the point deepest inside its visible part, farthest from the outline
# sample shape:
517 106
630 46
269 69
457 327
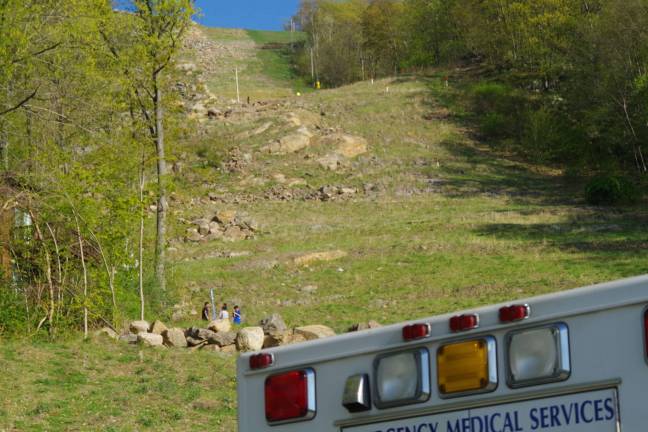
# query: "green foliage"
498 109
609 190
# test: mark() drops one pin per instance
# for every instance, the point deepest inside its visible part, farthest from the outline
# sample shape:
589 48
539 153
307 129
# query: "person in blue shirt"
237 315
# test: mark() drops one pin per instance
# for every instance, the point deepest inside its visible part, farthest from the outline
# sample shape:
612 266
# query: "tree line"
563 80
87 103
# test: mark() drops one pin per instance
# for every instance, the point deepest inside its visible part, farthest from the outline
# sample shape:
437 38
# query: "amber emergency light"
467 367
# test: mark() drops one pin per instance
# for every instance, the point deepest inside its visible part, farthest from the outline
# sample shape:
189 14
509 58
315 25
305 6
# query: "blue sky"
247 14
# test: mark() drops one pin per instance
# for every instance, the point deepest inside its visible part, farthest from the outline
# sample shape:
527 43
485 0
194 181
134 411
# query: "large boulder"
346 145
315 331
138 327
220 325
280 338
150 339
158 327
250 339
174 337
273 323
204 334
192 341
222 339
291 143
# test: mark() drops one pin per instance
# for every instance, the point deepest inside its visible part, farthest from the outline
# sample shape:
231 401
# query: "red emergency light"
416 331
514 313
464 322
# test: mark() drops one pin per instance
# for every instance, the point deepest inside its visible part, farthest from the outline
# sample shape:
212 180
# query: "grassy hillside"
439 222
454 224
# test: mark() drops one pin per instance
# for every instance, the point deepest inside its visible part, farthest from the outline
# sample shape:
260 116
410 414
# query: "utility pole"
238 95
213 304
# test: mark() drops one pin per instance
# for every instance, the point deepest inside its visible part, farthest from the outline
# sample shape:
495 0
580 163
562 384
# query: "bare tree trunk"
142 180
163 205
85 278
48 273
639 158
58 265
4 145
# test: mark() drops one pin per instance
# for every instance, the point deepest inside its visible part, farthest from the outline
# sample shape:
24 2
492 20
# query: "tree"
146 49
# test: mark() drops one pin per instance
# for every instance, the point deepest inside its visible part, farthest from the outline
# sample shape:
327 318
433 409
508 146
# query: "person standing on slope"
237 315
224 314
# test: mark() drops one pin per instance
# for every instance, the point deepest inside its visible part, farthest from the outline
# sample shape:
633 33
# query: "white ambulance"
572 361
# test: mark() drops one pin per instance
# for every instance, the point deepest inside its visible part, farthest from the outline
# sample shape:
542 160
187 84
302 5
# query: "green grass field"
103 385
453 225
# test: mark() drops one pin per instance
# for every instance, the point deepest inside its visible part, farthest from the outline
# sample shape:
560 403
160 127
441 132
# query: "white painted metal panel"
581 412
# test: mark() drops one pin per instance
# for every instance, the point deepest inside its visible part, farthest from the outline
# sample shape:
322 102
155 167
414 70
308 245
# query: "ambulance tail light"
290 397
416 331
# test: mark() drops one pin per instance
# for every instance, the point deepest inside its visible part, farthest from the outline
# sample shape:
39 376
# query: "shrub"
499 109
611 190
494 125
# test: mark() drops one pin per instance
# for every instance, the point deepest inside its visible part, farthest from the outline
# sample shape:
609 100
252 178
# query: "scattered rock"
310 258
365 326
250 339
204 334
331 162
129 338
139 327
315 331
228 349
108 332
220 326
174 337
192 235
273 323
150 339
234 233
225 217
211 348
203 228
158 327
194 342
309 289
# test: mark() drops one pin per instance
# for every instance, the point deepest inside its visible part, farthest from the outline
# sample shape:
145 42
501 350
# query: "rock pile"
219 336
225 225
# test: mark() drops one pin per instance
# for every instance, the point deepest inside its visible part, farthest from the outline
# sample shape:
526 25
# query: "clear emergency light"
538 355
402 378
